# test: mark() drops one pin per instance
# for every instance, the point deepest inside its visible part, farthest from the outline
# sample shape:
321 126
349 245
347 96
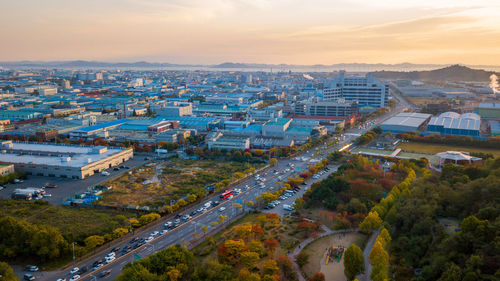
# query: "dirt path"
366 253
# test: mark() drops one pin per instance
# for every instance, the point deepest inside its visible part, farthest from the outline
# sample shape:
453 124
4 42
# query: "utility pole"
73 244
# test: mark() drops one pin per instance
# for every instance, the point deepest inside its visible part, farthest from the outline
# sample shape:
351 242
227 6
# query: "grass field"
74 223
436 148
423 101
156 184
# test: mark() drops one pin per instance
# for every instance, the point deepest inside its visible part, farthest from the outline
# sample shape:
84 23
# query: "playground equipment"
334 253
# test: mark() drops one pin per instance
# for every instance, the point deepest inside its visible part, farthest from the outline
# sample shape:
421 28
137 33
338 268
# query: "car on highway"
74 270
97 266
109 259
82 270
149 239
163 232
222 209
74 278
104 173
61 279
154 233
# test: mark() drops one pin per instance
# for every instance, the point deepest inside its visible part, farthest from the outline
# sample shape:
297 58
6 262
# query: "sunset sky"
252 31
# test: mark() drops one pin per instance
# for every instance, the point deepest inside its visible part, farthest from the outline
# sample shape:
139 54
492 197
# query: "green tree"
249 259
256 246
353 262
299 203
379 273
94 241
246 275
372 221
148 218
302 258
119 232
378 255
7 273
270 267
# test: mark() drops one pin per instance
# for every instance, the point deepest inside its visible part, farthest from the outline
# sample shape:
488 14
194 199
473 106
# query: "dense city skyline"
294 32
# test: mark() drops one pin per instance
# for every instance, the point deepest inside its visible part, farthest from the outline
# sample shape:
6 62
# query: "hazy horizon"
260 31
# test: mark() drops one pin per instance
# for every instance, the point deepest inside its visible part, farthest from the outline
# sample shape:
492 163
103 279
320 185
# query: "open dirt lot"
317 255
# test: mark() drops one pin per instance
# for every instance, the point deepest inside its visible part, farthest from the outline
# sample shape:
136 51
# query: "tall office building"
367 91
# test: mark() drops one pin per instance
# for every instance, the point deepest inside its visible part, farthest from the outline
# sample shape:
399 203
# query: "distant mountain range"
450 73
403 70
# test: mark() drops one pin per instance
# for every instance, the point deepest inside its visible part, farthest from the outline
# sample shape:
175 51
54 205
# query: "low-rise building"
219 141
405 122
452 123
67 161
6 169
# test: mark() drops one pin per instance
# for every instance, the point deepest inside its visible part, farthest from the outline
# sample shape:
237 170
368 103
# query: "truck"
21 196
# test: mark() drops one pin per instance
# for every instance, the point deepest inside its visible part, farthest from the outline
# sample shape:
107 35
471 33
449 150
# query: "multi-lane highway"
186 230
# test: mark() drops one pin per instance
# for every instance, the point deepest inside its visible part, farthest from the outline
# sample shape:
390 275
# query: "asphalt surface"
185 232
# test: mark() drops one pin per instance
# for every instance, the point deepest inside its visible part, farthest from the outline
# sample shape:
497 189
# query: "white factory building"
405 122
66 161
367 91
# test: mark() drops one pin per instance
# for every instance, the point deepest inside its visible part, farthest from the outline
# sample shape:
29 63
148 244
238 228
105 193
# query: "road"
66 187
185 232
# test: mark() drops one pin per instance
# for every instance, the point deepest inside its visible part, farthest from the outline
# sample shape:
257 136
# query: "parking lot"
68 187
289 200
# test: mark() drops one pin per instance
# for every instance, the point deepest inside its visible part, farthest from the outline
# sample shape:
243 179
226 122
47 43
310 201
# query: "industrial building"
367 91
495 128
173 109
276 127
66 161
337 108
452 123
489 110
219 141
405 122
93 130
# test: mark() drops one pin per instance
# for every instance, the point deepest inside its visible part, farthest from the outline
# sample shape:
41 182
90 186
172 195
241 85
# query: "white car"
222 209
154 233
61 279
104 173
76 277
74 270
110 254
163 232
149 239
110 259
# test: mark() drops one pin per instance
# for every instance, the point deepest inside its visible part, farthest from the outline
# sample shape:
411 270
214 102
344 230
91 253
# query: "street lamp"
73 244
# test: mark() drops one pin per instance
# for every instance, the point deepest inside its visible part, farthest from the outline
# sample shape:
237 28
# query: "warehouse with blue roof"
452 123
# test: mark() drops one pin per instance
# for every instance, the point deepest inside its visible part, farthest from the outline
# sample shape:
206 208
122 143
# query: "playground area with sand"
326 255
